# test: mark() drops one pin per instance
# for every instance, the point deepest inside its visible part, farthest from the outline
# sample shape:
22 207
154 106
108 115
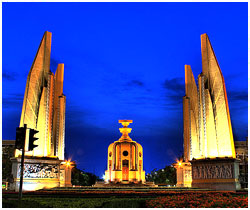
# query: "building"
209 152
241 148
125 159
43 110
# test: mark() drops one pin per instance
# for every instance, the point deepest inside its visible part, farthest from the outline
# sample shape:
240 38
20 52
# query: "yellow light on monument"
178 162
68 163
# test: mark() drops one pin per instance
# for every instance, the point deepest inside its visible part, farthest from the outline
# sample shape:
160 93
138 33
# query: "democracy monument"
125 159
125 162
43 110
209 152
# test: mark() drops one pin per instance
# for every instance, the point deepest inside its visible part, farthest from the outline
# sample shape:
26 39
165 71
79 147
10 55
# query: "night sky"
124 61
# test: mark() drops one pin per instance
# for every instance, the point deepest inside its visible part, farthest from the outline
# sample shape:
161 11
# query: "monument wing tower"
218 122
44 104
36 80
209 152
190 116
43 110
58 137
207 124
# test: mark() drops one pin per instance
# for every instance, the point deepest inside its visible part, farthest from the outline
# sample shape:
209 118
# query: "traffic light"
20 138
32 139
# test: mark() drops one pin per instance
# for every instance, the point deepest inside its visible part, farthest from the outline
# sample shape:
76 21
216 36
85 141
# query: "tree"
81 178
166 176
8 152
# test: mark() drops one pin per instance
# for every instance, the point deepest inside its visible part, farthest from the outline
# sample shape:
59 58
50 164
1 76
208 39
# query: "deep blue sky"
124 61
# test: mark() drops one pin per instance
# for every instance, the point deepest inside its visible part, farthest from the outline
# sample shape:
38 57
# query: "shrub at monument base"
199 200
119 199
76 203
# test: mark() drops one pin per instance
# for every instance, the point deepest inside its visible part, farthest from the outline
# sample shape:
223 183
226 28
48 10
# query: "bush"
129 199
23 204
199 200
125 203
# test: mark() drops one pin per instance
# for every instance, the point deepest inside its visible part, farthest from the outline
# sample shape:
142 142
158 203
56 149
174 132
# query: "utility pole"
22 166
24 137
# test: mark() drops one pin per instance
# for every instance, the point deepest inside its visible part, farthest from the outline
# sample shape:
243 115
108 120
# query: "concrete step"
125 184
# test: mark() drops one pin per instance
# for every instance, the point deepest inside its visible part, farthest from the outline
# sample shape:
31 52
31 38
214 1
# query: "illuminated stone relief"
39 171
213 172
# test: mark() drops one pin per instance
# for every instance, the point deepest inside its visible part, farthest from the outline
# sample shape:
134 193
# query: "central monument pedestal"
216 173
184 174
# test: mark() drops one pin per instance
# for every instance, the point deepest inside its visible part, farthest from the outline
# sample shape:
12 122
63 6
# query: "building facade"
125 159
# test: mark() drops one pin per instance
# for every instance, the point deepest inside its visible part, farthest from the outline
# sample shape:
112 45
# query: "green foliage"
173 199
8 152
125 203
165 176
187 200
81 178
43 202
69 203
23 204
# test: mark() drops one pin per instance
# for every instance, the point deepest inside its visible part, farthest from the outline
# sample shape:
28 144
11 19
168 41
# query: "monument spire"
125 130
216 93
35 82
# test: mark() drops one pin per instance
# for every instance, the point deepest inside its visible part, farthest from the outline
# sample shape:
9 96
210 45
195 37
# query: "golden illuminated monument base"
184 174
209 173
40 173
216 174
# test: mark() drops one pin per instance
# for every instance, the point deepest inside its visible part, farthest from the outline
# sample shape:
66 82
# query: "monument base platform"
125 184
40 173
216 174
